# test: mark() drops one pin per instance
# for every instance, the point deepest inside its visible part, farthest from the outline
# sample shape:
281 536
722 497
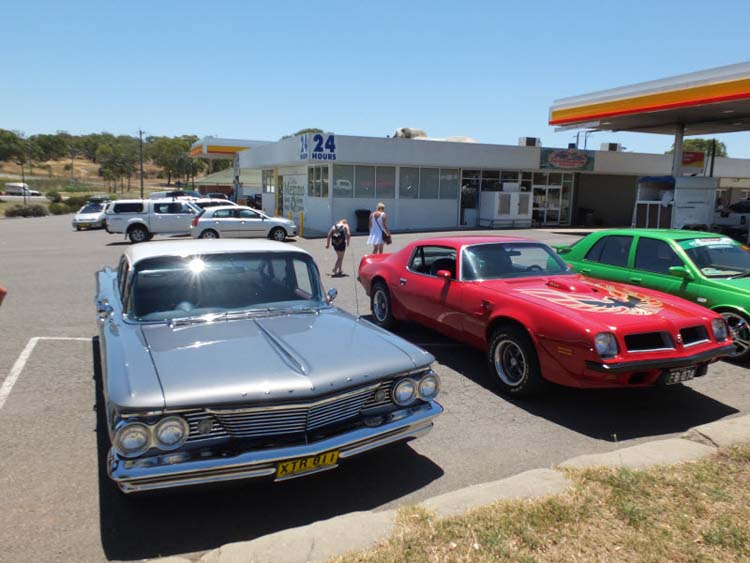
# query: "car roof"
156 249
664 234
468 240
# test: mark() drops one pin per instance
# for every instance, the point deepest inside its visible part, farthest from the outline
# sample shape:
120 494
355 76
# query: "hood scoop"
569 286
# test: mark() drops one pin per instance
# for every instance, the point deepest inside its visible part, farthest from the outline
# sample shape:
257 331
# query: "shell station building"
442 184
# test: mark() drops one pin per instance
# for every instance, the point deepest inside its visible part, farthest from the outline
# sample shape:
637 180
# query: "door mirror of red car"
680 272
444 274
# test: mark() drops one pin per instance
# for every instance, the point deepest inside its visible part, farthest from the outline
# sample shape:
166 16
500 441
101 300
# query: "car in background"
218 364
706 268
20 188
216 195
140 219
90 216
233 221
537 320
206 202
103 199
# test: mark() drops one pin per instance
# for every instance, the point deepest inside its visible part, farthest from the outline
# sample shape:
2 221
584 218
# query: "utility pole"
140 151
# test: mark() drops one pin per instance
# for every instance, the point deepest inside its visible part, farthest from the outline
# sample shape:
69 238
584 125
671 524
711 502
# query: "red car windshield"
510 260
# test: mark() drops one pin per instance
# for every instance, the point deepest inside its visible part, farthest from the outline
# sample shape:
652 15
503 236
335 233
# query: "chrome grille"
290 419
194 418
386 388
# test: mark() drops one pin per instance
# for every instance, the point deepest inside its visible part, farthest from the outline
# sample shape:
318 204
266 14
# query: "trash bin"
363 220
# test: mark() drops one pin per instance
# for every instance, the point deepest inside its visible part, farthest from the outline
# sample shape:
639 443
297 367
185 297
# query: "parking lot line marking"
17 368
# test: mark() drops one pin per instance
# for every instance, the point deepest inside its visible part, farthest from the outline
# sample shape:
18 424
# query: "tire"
513 362
78 228
739 328
138 234
209 234
278 234
381 305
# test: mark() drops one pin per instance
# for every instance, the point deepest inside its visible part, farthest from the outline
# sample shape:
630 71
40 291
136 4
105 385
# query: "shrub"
59 208
34 210
54 196
76 201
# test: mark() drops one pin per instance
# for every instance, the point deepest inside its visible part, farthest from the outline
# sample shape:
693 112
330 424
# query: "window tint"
223 213
612 250
135 207
247 214
509 260
171 208
655 256
429 259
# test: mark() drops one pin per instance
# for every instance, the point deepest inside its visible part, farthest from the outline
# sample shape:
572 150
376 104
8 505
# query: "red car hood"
609 303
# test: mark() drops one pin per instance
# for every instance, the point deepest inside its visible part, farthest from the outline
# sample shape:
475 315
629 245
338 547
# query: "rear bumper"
661 363
169 470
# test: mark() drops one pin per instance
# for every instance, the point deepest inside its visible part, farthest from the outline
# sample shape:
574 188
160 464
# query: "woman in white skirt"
378 229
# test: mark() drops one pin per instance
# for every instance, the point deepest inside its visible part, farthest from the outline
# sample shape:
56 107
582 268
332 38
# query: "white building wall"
317 215
415 214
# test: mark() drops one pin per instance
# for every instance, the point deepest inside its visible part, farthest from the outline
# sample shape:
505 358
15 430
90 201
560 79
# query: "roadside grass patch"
691 512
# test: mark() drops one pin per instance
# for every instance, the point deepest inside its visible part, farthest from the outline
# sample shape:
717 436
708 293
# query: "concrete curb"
530 484
362 530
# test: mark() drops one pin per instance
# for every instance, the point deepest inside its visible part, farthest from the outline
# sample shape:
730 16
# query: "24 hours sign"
317 146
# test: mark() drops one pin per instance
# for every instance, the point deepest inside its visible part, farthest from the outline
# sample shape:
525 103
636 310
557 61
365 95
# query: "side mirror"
446 274
680 272
563 249
332 294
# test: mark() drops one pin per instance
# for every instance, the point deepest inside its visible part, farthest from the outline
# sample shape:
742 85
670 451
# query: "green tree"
50 147
11 146
703 145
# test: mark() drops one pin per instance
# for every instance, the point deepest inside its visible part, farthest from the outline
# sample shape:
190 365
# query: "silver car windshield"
168 288
510 260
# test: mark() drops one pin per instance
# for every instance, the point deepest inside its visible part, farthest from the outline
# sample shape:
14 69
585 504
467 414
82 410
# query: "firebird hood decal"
615 301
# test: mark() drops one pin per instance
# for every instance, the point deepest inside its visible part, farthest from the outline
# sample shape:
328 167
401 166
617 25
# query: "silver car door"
225 222
251 223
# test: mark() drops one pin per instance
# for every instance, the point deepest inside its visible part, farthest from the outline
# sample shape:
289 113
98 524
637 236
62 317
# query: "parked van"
19 188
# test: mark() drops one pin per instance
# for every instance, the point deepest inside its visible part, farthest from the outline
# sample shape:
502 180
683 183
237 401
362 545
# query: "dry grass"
696 512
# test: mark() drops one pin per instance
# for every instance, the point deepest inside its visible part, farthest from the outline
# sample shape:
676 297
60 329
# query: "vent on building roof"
529 142
611 147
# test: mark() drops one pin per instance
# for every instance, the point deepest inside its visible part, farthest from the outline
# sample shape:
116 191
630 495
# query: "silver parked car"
240 221
90 216
223 359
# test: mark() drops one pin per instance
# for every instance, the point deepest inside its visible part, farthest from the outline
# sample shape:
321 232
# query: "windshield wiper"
738 276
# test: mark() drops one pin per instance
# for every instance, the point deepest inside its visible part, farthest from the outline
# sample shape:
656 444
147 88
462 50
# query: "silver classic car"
223 359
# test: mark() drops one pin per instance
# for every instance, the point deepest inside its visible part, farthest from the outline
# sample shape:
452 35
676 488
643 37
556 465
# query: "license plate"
84 225
306 464
678 375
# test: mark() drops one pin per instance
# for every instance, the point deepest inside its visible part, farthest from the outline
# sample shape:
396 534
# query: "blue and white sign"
303 147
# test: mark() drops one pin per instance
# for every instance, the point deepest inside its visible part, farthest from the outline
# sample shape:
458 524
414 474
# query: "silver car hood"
272 359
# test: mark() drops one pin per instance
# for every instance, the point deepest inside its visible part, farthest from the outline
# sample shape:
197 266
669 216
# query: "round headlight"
132 439
171 433
606 344
720 329
404 392
429 387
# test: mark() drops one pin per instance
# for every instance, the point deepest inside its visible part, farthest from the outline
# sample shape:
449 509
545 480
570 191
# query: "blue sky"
489 70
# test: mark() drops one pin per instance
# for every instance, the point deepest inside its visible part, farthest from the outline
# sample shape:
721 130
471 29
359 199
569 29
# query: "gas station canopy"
213 148
707 102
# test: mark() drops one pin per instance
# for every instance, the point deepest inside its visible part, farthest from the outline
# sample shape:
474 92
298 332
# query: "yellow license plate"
84 225
306 464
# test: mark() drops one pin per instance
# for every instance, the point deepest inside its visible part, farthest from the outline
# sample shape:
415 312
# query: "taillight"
195 221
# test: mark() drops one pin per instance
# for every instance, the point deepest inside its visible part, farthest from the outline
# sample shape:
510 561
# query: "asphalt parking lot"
58 505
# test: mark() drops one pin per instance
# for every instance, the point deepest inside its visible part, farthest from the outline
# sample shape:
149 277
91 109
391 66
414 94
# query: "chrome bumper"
161 472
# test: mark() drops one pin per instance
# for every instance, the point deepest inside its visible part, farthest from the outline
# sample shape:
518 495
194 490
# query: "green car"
705 268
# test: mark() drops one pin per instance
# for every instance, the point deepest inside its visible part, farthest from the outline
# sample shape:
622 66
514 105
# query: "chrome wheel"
740 331
510 363
209 234
138 234
380 305
278 234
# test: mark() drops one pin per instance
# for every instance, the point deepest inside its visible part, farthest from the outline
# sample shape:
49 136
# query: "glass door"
469 209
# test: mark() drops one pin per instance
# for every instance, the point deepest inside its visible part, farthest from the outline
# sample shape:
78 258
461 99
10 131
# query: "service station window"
317 179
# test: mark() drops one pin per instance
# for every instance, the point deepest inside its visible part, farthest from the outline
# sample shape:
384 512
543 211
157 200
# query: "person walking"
340 236
379 232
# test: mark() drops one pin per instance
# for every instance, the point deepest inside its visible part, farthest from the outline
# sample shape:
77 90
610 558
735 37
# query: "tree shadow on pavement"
187 520
603 414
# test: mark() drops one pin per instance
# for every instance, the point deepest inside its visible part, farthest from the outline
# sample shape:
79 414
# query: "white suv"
140 219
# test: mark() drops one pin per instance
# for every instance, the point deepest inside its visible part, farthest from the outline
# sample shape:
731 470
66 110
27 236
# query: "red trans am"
537 320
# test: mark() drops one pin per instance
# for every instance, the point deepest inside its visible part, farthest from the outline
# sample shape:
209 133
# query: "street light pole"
140 151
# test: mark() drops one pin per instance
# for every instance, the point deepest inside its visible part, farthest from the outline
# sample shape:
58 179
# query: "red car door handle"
402 281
